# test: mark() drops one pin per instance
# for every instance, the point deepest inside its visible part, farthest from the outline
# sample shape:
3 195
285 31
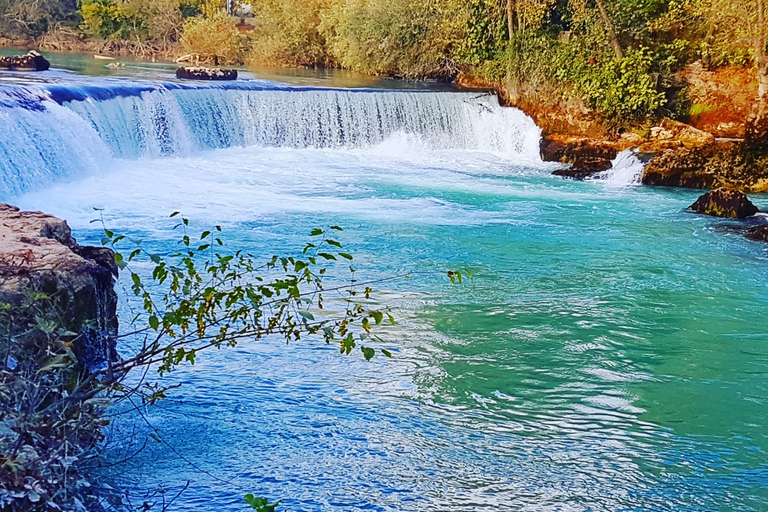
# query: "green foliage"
50 416
261 504
620 90
104 19
215 38
203 297
393 37
22 18
155 20
287 33
486 33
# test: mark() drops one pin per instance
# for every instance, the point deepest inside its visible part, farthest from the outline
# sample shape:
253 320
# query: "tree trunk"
756 132
511 18
610 28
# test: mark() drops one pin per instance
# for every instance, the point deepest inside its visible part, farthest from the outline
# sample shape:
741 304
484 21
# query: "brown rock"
568 150
757 233
730 204
681 133
585 167
32 61
39 255
719 165
201 73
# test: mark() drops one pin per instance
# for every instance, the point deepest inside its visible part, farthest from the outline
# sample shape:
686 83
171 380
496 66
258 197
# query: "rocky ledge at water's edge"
38 255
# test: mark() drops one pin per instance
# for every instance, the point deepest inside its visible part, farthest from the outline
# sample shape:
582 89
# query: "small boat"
103 57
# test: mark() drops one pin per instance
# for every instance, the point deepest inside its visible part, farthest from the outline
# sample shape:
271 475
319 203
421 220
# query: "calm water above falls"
611 353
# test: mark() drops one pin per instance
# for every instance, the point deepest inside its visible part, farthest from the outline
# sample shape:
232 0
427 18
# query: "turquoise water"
611 353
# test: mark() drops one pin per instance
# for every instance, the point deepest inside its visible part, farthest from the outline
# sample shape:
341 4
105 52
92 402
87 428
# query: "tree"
610 29
756 133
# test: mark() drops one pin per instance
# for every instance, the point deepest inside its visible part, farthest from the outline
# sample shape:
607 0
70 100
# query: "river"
610 353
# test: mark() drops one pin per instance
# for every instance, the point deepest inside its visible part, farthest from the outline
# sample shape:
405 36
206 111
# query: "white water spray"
63 133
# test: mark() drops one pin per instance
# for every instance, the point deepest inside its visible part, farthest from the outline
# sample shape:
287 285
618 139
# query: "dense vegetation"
617 56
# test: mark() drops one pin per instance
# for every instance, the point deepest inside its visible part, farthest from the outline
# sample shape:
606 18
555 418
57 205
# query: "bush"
393 37
287 33
104 19
22 18
214 38
621 91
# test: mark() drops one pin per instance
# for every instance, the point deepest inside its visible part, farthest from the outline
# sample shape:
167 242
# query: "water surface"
611 353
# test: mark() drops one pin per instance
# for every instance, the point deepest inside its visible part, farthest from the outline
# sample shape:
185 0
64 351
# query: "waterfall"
626 170
51 132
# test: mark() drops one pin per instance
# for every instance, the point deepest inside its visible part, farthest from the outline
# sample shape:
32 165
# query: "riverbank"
58 324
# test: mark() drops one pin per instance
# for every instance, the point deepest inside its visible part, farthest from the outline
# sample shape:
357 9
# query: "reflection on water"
85 64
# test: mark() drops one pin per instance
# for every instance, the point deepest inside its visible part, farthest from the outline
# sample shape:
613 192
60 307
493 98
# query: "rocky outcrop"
568 150
32 61
757 233
38 255
725 203
201 73
585 167
676 134
719 165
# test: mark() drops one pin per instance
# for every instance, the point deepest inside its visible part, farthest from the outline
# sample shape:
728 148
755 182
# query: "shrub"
393 37
287 33
214 38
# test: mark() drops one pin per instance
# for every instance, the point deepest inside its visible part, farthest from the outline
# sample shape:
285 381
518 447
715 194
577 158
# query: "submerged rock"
723 164
201 73
757 233
730 204
39 255
585 167
32 61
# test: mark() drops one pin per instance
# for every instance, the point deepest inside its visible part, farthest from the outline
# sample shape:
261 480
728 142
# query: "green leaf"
109 233
204 235
326 255
346 256
368 353
378 316
337 228
154 322
307 315
386 352
174 214
316 232
334 243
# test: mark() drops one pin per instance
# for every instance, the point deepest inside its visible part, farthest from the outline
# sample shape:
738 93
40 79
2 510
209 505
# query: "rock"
757 233
567 150
730 204
32 61
719 165
39 255
681 134
585 167
201 73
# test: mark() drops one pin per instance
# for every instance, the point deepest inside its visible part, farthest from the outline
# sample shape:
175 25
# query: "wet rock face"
201 73
568 151
730 204
39 255
32 61
713 166
585 167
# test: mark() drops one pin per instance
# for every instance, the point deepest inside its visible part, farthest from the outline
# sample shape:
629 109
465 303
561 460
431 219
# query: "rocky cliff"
38 255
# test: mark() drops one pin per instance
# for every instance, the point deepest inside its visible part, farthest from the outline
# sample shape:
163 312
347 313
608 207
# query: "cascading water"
626 170
49 132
